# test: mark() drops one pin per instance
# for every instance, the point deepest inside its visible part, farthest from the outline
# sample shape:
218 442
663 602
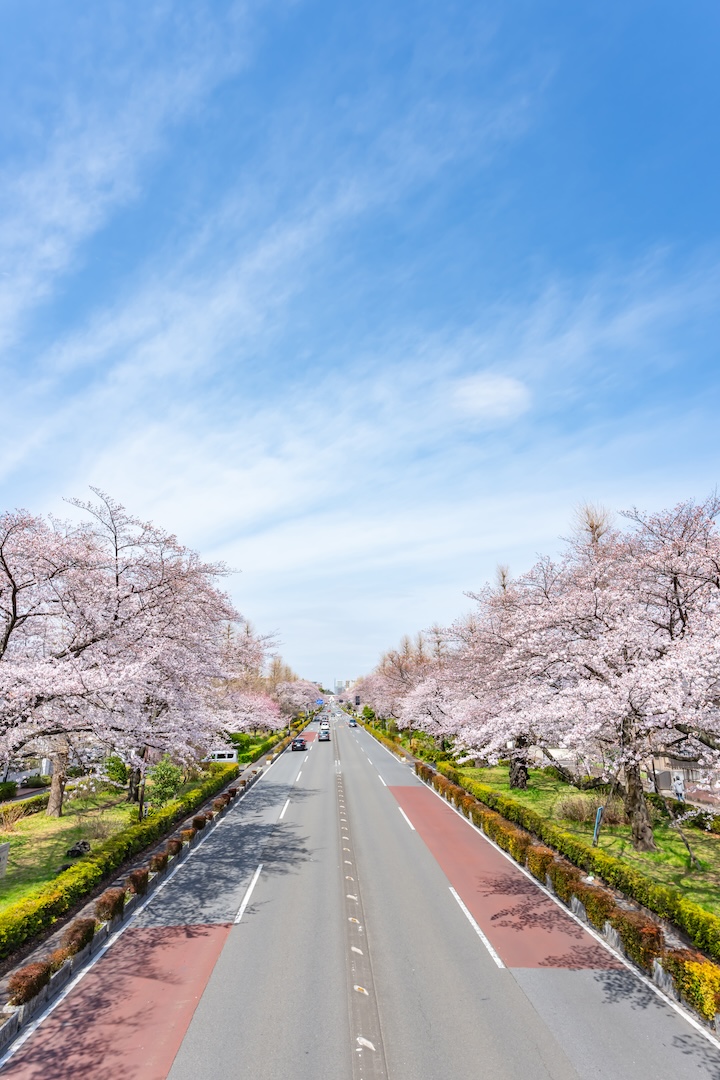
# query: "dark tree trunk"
636 808
57 785
519 764
134 778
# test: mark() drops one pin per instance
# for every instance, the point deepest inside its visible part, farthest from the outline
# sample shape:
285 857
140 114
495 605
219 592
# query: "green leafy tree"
116 770
166 779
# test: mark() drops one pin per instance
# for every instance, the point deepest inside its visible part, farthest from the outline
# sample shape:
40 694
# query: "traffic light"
357 699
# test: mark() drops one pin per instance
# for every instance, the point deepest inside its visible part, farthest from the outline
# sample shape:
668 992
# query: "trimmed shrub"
598 903
198 822
137 880
538 859
158 861
110 904
8 789
186 835
173 847
28 981
77 935
565 879
232 792
57 958
643 940
696 979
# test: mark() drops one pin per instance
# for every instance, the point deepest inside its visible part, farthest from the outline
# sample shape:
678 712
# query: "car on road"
352 723
324 735
299 743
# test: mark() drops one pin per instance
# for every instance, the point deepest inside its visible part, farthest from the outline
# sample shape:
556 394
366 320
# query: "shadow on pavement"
208 887
532 909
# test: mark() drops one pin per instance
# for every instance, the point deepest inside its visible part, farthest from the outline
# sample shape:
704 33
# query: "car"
299 743
324 725
324 735
352 723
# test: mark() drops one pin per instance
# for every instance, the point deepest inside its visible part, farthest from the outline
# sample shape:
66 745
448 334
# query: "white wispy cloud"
90 162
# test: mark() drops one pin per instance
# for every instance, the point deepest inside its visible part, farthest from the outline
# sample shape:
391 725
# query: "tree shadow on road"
531 910
206 888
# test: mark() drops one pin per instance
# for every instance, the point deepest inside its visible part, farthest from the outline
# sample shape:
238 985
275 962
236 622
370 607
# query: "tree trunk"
57 785
636 808
519 765
134 778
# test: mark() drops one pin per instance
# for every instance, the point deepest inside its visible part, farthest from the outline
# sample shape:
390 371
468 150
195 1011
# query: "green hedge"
390 743
701 926
38 910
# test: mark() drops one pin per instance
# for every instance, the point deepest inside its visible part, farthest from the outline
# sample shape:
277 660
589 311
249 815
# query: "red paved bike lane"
525 926
129 1014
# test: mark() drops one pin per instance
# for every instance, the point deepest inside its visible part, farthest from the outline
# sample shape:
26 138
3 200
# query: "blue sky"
363 299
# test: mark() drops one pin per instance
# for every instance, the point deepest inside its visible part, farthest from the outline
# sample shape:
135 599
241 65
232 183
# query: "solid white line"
586 926
406 817
381 780
477 930
248 894
282 812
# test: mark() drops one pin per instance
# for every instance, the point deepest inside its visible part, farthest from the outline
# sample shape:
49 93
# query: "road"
344 923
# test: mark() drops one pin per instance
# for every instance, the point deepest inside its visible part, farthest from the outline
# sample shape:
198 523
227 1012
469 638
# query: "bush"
198 822
77 935
110 904
28 981
34 780
585 807
158 861
186 835
137 880
57 958
41 908
643 940
173 847
8 789
696 979
116 769
166 779
539 858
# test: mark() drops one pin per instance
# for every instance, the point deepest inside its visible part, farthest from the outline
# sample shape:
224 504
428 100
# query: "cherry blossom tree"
296 696
611 652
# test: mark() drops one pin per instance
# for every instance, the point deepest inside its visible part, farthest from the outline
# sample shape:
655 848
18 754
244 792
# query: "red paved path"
525 927
127 1017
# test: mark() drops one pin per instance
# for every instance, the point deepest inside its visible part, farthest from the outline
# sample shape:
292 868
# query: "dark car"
299 743
324 735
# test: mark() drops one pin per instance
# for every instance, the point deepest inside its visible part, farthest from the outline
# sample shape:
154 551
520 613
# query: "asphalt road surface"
344 923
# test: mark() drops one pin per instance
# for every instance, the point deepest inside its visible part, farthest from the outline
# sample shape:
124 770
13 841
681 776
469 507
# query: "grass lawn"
669 865
38 843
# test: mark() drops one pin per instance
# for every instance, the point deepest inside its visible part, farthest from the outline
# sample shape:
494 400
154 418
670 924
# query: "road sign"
319 701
